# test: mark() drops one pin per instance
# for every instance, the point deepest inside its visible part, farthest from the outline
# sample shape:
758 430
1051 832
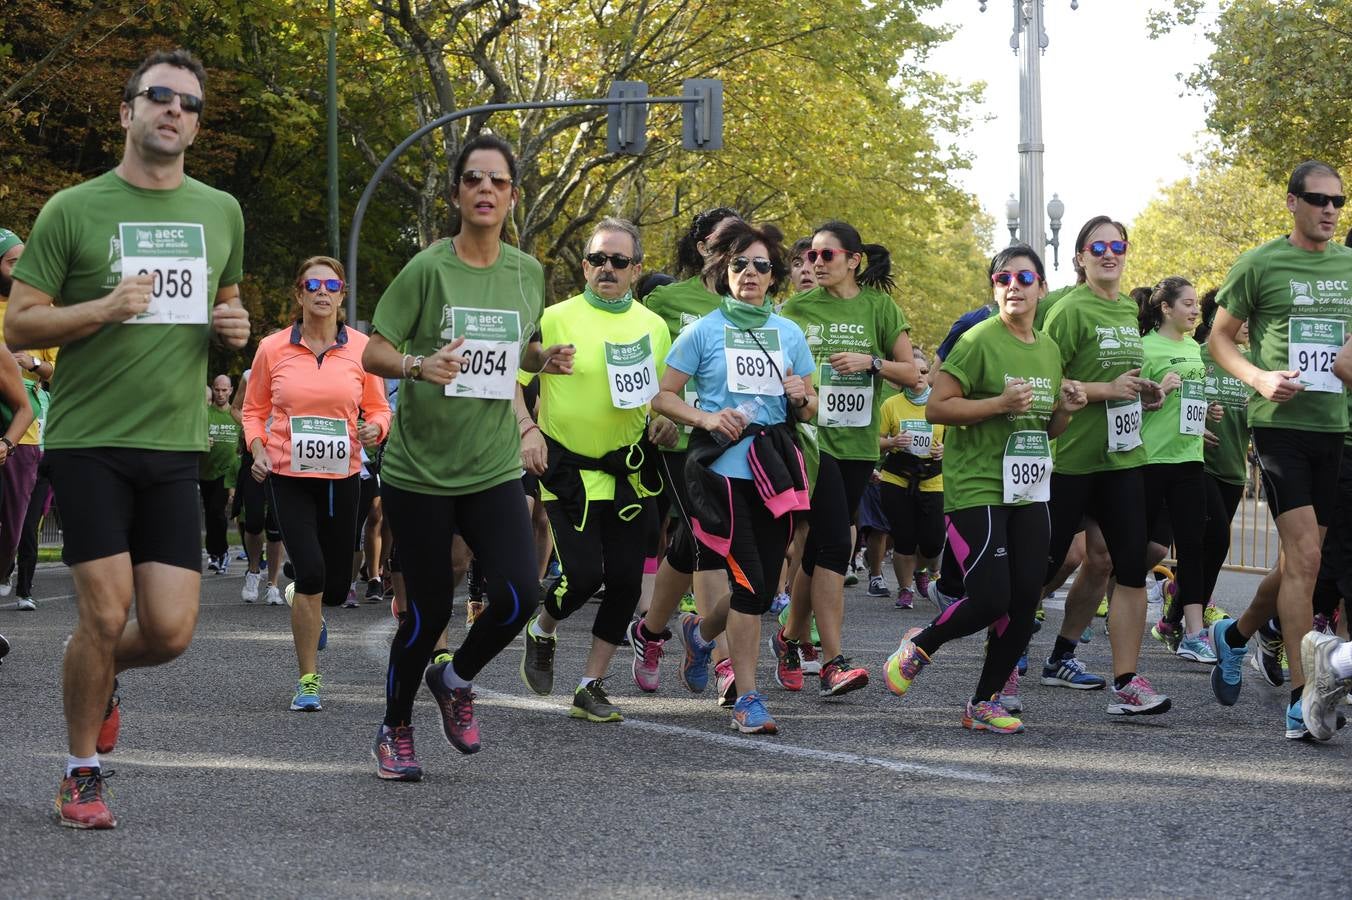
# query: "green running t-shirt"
1046 304
681 304
135 384
451 445
1228 460
1298 304
1099 340
1162 429
222 457
620 359
869 322
983 361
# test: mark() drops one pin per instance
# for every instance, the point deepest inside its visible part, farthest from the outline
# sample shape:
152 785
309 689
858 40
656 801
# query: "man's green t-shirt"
1298 304
1046 304
619 358
1229 459
135 384
1161 429
681 304
450 445
1099 340
869 322
983 361
221 458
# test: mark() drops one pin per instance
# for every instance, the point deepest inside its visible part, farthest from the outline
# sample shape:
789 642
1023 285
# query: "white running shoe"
25 603
252 580
274 596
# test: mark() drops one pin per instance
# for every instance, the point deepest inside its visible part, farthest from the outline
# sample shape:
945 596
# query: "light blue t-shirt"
701 353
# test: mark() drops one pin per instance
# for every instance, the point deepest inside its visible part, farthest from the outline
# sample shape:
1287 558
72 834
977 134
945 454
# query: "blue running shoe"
306 698
694 668
779 604
323 633
1023 664
749 715
1069 672
1226 678
1295 723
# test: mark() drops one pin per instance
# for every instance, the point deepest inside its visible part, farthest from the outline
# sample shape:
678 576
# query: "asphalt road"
221 791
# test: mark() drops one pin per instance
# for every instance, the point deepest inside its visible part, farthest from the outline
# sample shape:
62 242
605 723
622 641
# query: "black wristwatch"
7 442
37 364
876 367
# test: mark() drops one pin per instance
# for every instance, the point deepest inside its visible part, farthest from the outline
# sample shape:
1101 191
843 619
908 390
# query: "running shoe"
1171 636
694 668
940 600
1196 648
79 800
903 666
726 681
375 592
1138 698
1323 690
990 715
779 604
905 599
1267 659
1102 611
851 579
393 751
877 587
112 723
4 648
1212 614
811 659
922 582
289 593
537 660
211 567
1039 616
749 715
1069 672
307 694
840 677
242 556
1322 624
274 596
687 604
249 593
473 609
25 604
647 657
1226 678
789 663
441 656
554 570
223 564
1009 694
1022 666
1296 729
457 710
591 703
323 632
1087 635
351 602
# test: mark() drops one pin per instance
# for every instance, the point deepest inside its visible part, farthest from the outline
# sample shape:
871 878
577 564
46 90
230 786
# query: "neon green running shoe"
1102 611
687 603
784 621
990 715
1212 614
904 665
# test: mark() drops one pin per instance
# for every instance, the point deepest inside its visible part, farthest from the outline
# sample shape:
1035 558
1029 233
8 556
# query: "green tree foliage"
1198 225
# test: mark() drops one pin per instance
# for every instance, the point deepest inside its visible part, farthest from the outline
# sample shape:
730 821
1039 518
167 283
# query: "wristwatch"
7 442
37 364
415 369
876 366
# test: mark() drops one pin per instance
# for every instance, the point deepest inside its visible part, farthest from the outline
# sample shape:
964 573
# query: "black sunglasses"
332 285
1098 248
1321 200
165 95
826 253
598 259
472 177
740 263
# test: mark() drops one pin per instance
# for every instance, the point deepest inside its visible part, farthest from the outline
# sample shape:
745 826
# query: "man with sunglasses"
1296 294
595 465
133 273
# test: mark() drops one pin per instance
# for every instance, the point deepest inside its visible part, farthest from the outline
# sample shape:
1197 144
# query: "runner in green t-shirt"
1098 463
600 465
132 273
1173 476
1002 397
457 324
858 336
216 476
1295 293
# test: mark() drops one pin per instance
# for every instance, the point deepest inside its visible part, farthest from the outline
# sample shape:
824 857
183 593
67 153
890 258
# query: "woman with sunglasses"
1173 436
308 381
681 305
1100 460
1002 395
858 336
456 325
744 471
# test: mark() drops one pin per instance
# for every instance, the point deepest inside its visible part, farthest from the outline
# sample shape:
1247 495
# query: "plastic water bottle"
748 409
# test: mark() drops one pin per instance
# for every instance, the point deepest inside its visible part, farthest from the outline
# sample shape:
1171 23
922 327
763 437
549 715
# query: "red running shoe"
112 723
789 665
457 711
79 800
393 750
839 677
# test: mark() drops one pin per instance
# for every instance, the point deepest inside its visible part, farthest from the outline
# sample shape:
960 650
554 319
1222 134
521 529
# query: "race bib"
690 396
922 437
1027 467
319 445
751 369
632 372
175 253
1312 345
492 351
846 401
1192 413
1124 425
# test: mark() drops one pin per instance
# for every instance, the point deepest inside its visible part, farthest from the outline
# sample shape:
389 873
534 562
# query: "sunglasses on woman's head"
827 254
1025 277
332 285
761 263
1098 248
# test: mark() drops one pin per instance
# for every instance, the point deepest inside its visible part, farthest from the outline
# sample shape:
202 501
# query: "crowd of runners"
697 450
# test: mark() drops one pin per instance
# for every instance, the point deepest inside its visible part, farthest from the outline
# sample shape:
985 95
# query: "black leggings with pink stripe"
1002 551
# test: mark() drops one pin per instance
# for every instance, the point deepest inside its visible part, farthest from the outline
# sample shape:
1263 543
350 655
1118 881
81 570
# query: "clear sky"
1116 121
